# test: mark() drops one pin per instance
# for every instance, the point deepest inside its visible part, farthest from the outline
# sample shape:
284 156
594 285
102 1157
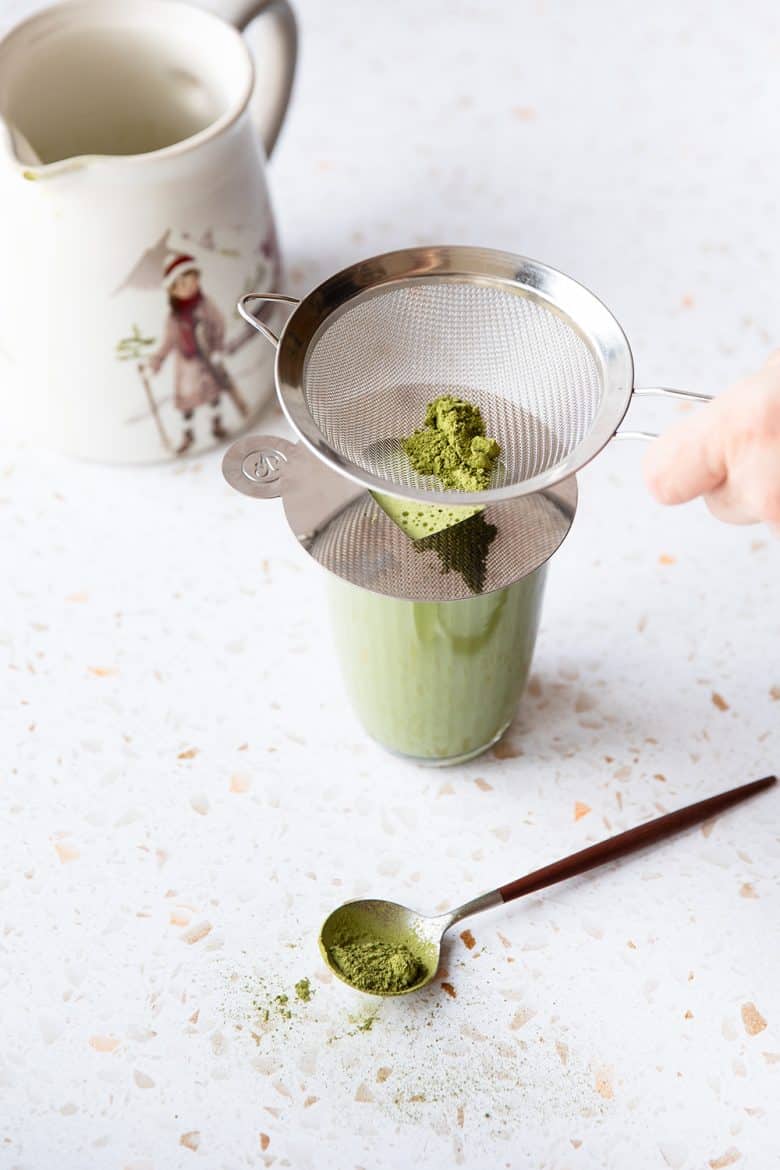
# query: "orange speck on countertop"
752 1019
190 1140
468 939
102 671
584 702
196 933
189 754
451 992
731 1156
104 1043
505 750
719 702
521 1018
265 1141
581 810
66 852
239 783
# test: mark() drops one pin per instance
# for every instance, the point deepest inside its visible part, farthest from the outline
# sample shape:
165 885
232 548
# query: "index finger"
688 461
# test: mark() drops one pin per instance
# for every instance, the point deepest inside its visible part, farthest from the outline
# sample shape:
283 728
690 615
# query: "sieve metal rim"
513 273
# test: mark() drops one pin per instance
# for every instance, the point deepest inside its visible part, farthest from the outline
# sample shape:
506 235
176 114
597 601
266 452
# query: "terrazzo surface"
185 793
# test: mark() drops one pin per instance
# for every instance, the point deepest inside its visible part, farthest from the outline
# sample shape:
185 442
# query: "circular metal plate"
493 549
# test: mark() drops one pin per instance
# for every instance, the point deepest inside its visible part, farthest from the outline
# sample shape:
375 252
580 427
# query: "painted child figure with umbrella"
195 333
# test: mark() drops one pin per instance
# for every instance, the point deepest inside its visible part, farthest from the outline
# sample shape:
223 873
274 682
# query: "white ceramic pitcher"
133 214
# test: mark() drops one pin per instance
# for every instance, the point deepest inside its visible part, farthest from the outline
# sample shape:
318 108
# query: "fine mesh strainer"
363 354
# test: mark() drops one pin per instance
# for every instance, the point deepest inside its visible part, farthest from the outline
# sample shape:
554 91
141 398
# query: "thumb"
689 460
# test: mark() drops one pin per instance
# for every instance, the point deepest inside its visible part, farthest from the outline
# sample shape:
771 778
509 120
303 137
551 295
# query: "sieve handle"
254 321
660 392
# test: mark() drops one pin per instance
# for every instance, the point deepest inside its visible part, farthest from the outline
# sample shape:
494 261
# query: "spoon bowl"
373 919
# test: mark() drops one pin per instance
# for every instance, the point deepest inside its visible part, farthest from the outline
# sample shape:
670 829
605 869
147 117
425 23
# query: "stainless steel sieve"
364 353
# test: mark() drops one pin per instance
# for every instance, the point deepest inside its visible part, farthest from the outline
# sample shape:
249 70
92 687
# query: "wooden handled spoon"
373 919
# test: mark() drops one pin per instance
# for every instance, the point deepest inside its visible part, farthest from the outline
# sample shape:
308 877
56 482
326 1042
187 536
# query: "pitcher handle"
276 67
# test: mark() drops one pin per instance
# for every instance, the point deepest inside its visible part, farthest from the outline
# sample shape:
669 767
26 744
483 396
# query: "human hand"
728 452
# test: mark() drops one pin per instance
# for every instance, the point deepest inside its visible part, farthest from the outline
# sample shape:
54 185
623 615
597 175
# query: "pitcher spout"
22 156
16 147
21 148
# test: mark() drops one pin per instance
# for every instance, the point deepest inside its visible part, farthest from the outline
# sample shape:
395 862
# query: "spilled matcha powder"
376 966
303 990
282 1002
453 446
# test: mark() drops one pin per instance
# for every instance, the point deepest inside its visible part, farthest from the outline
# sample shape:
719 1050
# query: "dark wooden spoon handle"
638 838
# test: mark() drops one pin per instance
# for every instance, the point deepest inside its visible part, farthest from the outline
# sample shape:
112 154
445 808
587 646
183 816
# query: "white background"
147 612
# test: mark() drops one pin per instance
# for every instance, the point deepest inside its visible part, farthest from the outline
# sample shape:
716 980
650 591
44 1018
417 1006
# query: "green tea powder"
376 966
453 446
303 990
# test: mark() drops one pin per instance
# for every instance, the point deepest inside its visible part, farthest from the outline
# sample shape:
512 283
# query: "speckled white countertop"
185 793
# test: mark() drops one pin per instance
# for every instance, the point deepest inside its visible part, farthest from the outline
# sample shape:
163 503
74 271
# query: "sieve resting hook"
254 321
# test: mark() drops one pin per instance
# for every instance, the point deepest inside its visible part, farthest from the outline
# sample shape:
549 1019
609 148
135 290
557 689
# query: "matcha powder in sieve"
453 446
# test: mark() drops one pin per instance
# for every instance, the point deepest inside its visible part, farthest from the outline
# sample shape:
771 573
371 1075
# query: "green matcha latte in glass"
436 681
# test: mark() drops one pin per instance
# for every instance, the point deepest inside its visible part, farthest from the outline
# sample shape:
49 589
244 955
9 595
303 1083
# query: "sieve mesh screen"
373 366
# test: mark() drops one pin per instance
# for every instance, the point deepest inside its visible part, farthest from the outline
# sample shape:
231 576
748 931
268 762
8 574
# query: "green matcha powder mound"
376 966
453 446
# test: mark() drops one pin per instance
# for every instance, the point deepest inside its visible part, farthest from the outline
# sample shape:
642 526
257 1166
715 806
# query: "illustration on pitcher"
187 361
195 335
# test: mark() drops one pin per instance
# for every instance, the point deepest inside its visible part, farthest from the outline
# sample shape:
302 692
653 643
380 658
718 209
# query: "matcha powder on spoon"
376 966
